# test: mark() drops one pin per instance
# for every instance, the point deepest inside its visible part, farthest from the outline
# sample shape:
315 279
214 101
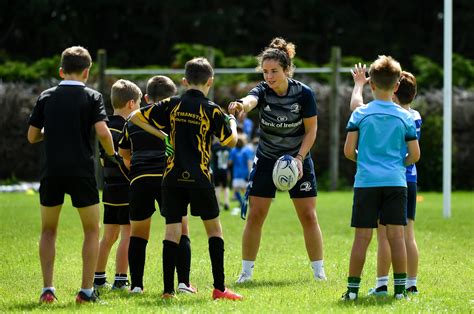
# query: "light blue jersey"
240 158
384 128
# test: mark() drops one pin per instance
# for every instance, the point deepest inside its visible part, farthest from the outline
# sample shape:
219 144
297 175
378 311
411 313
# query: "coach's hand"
169 149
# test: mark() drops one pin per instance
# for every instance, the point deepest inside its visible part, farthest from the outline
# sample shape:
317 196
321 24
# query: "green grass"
282 280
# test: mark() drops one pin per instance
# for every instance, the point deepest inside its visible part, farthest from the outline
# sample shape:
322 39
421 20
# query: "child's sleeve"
353 123
124 141
99 113
411 133
37 116
154 114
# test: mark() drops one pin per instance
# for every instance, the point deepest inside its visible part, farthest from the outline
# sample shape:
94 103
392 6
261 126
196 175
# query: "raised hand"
358 74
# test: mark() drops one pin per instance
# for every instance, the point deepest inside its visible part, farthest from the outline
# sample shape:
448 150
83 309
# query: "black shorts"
261 182
144 191
411 202
83 191
221 178
116 214
176 200
386 204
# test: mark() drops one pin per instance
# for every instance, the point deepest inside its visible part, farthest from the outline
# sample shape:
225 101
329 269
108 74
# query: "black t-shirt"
220 157
190 120
68 113
114 174
148 151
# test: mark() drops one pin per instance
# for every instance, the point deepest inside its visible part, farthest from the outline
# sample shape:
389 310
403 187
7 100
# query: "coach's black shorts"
261 182
411 202
386 204
176 200
144 191
83 191
221 178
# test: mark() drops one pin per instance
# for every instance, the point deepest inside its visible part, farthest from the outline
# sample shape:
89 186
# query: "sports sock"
399 280
100 278
411 282
381 281
353 284
88 292
136 260
216 252
170 256
318 268
183 265
239 198
247 267
48 288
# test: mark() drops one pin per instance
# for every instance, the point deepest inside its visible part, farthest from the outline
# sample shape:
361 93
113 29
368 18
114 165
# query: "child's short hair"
122 92
160 87
407 90
75 59
198 70
385 72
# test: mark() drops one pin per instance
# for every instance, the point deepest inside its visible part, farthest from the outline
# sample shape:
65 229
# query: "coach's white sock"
381 281
88 292
247 267
49 288
411 282
318 269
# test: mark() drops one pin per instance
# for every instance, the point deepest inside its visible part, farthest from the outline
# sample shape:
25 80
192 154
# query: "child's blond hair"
385 72
122 92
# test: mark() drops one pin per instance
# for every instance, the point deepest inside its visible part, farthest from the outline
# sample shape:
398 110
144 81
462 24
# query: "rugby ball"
285 173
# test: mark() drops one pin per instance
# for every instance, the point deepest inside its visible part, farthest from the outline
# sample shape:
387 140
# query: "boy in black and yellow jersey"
147 162
125 97
191 120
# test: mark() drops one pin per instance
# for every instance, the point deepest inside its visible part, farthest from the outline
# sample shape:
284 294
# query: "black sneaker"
83 298
412 290
378 292
226 207
349 296
121 285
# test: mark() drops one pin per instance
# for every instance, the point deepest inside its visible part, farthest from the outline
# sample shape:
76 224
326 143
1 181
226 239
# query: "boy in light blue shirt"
379 134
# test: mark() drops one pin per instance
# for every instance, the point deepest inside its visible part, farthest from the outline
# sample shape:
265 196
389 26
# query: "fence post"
334 119
211 59
102 65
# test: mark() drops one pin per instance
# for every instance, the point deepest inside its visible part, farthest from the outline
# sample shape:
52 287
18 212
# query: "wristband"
302 157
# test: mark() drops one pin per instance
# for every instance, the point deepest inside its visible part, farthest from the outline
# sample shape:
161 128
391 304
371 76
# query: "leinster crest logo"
295 108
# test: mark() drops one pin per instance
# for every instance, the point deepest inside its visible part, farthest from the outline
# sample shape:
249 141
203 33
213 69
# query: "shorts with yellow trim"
145 192
115 200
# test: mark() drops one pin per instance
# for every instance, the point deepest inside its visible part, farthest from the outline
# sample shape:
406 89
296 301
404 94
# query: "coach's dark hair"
75 59
122 92
160 87
407 90
198 70
281 51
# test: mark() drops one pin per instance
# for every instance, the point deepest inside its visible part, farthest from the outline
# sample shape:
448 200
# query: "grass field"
282 280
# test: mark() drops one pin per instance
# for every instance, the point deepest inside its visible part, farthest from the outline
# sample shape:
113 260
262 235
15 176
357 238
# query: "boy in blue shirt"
377 136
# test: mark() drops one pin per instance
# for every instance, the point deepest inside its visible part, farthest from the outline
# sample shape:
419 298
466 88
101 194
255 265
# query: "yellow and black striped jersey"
114 174
190 120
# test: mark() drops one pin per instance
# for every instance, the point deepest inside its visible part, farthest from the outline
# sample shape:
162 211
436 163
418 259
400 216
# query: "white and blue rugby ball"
285 173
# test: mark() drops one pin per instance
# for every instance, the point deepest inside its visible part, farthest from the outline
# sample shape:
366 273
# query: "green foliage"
184 52
463 71
20 71
427 72
283 280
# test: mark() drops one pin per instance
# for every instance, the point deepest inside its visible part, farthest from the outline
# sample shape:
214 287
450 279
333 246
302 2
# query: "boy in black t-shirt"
63 119
191 120
125 97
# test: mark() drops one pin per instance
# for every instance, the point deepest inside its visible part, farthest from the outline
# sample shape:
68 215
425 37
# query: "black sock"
170 256
136 260
216 252
183 265
99 278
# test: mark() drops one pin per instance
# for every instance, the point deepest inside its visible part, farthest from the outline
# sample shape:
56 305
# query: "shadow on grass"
266 283
367 301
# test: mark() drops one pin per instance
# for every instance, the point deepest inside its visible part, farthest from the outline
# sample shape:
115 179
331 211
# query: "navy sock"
183 265
216 252
136 260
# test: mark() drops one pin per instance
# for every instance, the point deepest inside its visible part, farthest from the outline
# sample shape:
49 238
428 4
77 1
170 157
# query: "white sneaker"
136 290
182 288
320 277
244 277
